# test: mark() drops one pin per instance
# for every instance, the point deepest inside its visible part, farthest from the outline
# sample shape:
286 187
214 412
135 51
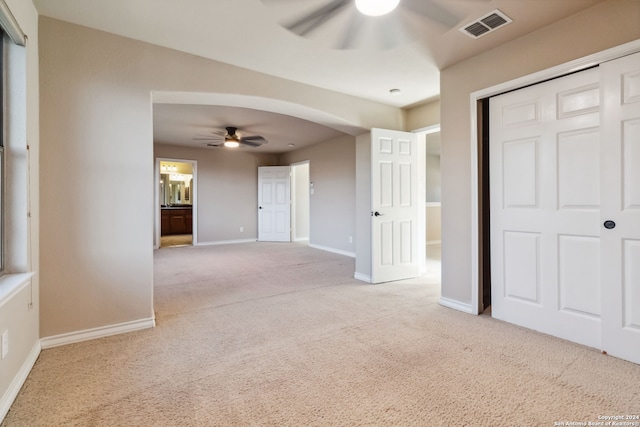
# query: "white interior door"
274 204
545 207
565 207
621 204
394 207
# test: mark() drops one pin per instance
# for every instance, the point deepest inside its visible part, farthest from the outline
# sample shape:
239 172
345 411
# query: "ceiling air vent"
486 24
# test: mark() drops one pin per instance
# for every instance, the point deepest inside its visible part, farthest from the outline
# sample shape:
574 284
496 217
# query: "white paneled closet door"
621 204
565 207
545 207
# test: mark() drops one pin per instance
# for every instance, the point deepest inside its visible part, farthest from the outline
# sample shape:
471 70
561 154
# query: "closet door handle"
608 224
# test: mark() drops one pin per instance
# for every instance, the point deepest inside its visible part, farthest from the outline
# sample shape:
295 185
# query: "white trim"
94 333
456 305
362 277
335 251
427 130
10 25
433 204
225 242
11 284
301 239
18 381
300 163
434 242
550 73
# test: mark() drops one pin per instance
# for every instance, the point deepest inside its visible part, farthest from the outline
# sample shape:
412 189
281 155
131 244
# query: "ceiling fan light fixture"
376 7
231 144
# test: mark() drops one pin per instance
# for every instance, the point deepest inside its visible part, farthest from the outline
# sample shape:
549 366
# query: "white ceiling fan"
359 16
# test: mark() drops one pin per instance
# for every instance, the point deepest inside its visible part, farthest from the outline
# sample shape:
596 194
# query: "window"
14 169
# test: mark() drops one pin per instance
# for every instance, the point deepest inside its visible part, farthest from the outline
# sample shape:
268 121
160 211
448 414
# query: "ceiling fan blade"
208 138
347 41
433 11
313 20
253 141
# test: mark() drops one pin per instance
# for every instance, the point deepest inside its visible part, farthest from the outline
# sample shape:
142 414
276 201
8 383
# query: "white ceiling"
249 34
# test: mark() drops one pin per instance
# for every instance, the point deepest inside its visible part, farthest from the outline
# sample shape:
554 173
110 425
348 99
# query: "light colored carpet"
265 334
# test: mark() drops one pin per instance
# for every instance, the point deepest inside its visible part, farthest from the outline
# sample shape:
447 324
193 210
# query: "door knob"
376 213
259 207
608 224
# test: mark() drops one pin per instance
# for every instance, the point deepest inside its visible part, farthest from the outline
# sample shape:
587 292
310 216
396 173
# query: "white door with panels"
620 172
558 180
394 210
274 204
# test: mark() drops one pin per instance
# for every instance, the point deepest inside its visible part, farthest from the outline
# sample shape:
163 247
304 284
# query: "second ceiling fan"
231 139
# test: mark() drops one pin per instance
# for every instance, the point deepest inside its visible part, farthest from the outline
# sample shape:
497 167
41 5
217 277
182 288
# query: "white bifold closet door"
620 166
561 156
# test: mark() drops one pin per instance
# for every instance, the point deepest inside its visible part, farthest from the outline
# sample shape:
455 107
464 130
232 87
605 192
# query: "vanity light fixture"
168 168
376 7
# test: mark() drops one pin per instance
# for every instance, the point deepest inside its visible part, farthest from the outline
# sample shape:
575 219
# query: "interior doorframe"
294 201
421 188
194 198
477 181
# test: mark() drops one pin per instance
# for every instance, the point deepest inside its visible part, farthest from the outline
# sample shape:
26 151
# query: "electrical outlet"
350 239
5 344
242 229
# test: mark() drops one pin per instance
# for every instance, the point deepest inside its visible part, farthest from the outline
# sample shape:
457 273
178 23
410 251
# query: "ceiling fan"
231 139
381 19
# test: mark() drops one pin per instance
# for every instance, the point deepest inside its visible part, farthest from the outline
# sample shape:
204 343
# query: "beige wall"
423 115
433 223
97 164
363 207
332 206
227 190
17 316
605 25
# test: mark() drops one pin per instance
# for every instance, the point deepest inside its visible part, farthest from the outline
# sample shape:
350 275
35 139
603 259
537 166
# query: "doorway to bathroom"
175 219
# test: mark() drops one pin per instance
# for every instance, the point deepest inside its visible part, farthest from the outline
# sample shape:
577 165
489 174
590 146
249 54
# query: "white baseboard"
90 334
362 277
434 242
335 251
225 242
18 381
301 239
456 305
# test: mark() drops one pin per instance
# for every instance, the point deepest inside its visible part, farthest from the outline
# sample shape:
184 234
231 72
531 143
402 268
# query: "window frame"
4 38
